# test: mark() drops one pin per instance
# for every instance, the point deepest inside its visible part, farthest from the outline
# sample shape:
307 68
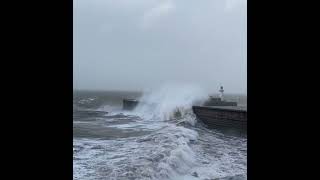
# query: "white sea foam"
171 153
161 155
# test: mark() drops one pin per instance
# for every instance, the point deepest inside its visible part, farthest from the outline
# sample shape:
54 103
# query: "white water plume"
170 102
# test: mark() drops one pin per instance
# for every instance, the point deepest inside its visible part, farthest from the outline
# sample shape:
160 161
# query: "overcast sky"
138 44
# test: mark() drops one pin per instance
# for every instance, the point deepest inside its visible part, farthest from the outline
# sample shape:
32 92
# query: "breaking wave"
170 102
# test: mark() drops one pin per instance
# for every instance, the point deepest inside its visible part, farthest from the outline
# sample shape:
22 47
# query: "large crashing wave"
170 102
173 156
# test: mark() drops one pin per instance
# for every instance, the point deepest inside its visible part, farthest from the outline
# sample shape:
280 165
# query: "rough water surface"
150 142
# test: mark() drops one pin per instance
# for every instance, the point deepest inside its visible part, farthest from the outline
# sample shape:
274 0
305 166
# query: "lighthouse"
221 92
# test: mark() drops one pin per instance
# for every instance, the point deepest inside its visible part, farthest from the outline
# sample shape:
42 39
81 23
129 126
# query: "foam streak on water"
152 143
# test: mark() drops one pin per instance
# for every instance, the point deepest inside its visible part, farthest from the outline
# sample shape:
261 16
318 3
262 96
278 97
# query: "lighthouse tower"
221 93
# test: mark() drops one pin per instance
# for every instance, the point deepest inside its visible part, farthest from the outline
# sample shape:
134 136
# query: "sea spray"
169 102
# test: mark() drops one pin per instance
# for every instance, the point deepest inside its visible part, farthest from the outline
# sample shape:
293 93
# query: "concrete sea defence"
231 119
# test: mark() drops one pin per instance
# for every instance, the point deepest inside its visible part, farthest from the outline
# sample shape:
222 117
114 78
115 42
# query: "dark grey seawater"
109 143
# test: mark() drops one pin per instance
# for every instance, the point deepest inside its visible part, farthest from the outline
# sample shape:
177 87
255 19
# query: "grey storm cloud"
138 44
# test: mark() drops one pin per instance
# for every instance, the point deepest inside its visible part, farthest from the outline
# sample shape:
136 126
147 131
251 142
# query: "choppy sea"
151 142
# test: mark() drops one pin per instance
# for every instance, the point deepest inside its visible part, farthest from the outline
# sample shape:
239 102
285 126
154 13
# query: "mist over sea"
150 142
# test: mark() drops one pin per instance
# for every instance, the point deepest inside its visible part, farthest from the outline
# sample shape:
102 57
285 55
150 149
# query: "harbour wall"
231 119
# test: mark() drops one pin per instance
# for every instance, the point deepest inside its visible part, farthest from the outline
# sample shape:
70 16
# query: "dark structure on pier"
129 104
218 102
